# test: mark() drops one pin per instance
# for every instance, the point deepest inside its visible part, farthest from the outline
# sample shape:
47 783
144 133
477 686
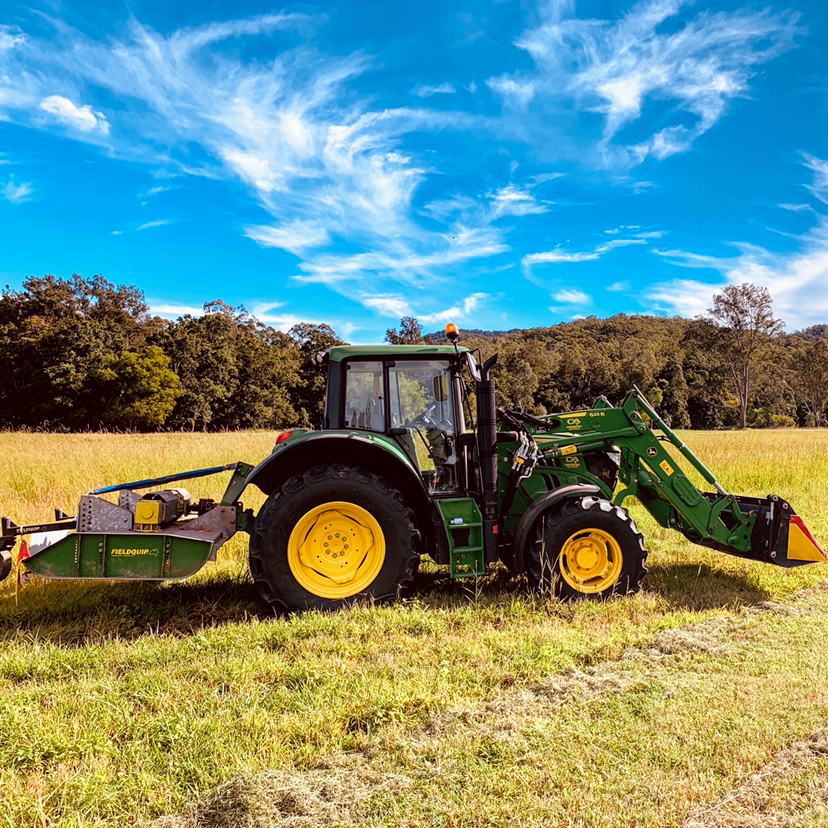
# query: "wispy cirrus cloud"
394 306
150 224
147 225
819 186
560 255
664 53
512 200
426 91
289 129
796 280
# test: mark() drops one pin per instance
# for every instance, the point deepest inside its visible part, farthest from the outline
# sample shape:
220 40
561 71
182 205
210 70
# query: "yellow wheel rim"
591 560
336 550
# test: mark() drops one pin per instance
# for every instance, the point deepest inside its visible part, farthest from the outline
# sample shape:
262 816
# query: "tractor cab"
413 397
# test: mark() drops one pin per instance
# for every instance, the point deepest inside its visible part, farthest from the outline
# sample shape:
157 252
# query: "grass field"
701 701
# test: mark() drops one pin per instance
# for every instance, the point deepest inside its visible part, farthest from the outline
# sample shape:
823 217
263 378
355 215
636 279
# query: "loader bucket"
778 535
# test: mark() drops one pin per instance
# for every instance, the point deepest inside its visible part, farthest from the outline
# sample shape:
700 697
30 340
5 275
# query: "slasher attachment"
158 536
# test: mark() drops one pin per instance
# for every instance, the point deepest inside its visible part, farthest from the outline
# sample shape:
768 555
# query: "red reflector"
797 520
283 436
494 530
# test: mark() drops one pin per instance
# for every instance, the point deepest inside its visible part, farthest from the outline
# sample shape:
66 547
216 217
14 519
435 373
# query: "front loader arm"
765 529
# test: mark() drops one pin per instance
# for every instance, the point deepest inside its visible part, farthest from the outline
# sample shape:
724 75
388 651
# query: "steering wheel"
424 419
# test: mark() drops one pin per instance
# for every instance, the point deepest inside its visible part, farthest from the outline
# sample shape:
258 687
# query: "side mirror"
441 391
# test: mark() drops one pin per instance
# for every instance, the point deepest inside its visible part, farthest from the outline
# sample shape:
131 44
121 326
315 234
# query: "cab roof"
340 352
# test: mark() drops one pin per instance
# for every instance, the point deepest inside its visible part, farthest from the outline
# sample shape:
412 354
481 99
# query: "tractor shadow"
76 613
693 587
698 587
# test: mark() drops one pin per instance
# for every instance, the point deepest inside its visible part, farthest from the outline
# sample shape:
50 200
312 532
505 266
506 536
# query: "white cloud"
561 255
323 162
514 93
424 91
542 178
392 306
296 237
572 296
797 208
172 310
651 234
665 56
613 243
458 311
796 280
558 255
514 201
157 190
10 36
819 168
79 117
16 193
395 307
624 228
619 286
158 223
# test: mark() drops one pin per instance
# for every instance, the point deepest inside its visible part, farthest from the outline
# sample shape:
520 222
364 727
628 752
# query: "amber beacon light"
451 332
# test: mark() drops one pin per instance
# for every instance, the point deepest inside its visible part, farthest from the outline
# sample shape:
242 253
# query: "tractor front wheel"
586 548
333 536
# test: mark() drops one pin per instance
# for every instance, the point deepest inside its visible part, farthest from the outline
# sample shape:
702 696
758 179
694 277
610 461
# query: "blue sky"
496 164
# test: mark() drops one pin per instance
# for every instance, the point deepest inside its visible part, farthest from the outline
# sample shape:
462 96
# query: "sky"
497 164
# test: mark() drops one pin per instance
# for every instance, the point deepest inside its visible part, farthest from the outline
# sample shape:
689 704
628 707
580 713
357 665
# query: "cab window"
365 396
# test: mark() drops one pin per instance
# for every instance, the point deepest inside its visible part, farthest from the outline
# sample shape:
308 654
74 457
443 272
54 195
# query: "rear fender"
375 452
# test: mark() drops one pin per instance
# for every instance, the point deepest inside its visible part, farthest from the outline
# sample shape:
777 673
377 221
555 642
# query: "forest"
83 354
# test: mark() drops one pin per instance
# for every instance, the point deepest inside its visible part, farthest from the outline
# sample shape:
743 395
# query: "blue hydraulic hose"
170 478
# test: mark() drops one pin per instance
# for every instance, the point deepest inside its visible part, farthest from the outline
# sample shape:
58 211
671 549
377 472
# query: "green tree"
140 390
808 377
55 335
410 332
309 392
235 372
743 315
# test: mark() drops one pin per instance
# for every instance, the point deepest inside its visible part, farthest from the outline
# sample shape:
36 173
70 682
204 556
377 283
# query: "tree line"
83 354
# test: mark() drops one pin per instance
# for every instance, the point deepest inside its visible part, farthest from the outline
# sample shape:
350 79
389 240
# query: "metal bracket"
98 515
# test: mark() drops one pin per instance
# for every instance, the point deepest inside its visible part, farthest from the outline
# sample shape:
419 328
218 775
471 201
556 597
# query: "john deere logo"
652 451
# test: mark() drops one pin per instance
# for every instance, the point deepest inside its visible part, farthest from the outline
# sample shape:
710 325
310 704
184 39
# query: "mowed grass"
469 703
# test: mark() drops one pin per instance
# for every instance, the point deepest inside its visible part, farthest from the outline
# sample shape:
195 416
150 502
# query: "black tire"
293 581
5 564
586 548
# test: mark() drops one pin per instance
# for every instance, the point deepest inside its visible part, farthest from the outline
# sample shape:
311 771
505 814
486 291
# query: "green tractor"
413 459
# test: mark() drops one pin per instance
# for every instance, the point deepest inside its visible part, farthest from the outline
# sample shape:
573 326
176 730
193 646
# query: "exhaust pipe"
487 455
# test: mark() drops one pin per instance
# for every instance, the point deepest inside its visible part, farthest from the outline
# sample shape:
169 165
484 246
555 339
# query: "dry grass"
465 705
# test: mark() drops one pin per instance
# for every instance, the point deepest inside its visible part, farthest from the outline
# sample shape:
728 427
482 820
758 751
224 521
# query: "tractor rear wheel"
331 537
586 548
